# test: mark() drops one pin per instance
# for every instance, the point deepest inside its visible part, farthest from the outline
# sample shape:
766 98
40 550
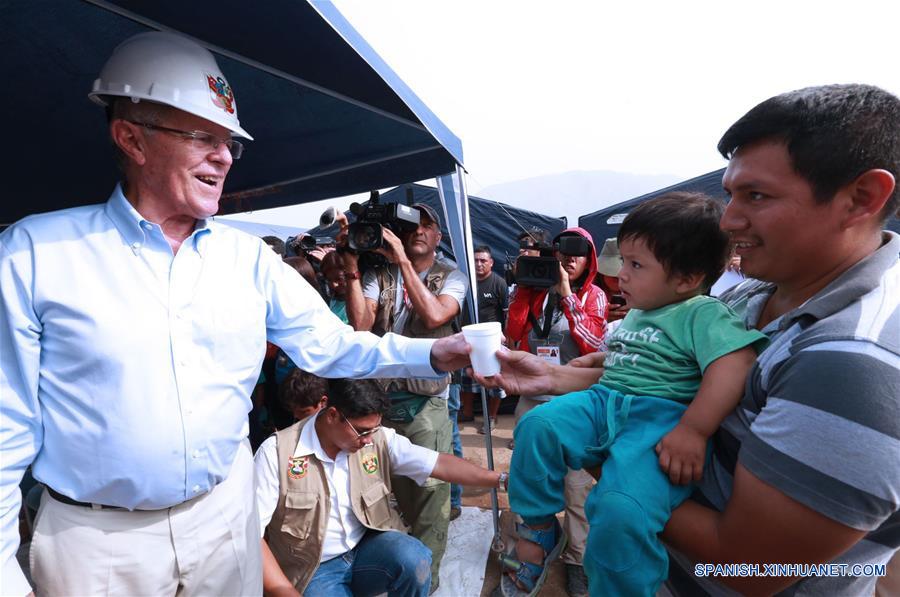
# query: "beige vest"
413 328
297 529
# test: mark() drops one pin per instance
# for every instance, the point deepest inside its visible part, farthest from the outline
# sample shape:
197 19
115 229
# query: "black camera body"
308 243
302 243
537 272
543 271
365 234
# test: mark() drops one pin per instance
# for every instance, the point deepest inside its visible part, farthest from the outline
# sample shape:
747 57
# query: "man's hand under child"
681 454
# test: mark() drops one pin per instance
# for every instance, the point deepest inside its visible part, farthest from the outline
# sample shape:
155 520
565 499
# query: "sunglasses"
359 435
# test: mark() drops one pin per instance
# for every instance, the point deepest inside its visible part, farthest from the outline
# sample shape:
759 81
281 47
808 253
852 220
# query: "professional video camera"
365 234
303 243
543 271
309 243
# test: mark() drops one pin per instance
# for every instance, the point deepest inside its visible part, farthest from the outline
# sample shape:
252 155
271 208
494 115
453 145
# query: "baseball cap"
428 211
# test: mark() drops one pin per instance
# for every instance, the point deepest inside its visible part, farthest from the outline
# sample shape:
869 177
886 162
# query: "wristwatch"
352 275
503 481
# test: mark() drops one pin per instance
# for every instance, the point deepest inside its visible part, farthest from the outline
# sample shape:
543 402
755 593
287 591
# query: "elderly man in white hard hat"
133 333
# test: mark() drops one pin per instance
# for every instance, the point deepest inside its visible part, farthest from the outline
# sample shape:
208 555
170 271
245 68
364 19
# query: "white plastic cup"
485 340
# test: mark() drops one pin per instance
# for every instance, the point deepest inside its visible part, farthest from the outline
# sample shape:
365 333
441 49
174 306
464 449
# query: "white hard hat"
169 69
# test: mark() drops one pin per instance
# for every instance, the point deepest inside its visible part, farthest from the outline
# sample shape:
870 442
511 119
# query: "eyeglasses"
359 435
199 139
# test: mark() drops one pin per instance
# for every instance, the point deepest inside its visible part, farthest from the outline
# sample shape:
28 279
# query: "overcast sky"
645 87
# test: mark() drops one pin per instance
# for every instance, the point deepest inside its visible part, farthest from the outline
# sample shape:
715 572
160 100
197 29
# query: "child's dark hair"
301 389
682 230
357 397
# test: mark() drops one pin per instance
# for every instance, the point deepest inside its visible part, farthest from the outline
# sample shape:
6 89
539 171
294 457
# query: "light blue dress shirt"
126 371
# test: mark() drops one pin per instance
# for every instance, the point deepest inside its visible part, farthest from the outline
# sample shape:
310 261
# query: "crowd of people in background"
557 322
205 420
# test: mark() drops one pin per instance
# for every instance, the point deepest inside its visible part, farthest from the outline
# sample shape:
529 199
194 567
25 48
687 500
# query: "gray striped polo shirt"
820 416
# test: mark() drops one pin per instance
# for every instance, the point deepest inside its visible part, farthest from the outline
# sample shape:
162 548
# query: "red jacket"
585 309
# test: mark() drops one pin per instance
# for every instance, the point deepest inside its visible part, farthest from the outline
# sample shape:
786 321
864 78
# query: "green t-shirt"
664 352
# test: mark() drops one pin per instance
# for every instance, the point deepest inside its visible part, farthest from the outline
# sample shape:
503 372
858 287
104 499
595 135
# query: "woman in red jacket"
575 298
560 324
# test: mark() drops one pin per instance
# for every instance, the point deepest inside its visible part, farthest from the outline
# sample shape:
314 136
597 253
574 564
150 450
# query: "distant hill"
576 193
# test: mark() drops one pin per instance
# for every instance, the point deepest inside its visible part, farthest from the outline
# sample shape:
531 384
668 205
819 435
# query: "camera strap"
543 331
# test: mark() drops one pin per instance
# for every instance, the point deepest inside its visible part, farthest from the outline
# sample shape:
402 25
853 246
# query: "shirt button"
135 245
196 454
147 225
195 489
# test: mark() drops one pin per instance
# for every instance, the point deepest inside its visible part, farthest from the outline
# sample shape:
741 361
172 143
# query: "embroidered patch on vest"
298 466
370 463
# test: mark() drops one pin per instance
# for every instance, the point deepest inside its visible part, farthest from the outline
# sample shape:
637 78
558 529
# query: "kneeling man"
323 488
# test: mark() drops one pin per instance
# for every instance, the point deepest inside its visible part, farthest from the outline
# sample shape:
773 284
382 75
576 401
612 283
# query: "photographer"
415 296
559 324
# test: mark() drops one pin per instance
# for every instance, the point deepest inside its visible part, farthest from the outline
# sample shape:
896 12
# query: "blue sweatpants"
633 499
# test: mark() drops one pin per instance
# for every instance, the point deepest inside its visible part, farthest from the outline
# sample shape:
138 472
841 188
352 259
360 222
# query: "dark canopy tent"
329 117
605 223
493 224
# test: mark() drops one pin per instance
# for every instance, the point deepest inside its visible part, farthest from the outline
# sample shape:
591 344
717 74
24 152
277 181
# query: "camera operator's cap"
609 262
428 211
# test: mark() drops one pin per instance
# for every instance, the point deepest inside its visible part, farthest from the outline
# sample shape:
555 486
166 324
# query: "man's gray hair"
122 108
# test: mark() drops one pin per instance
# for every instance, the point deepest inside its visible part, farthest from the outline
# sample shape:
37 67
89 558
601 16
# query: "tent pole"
456 209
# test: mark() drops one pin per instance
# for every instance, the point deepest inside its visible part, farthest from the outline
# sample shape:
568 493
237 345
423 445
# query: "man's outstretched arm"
462 472
525 374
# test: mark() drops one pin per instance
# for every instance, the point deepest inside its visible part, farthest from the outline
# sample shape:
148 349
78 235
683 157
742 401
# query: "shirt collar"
125 218
309 441
202 230
860 279
134 228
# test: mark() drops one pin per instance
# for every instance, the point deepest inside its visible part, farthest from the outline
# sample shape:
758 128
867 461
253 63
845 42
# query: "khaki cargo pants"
426 509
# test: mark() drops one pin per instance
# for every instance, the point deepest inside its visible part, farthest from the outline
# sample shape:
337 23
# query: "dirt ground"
474 450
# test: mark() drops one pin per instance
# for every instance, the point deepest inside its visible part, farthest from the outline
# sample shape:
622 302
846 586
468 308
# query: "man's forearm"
357 312
274 580
693 530
572 379
462 472
759 525
424 302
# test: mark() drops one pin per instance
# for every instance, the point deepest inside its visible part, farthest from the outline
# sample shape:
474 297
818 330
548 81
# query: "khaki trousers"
207 546
578 486
426 509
